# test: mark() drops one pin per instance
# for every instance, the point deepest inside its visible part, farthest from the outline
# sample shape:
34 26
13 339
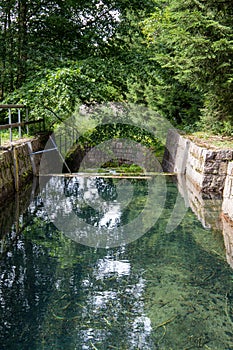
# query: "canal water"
168 289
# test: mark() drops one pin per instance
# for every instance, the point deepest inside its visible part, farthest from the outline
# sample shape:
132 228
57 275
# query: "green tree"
193 41
39 33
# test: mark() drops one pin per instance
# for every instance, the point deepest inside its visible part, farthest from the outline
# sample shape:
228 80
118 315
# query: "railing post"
19 121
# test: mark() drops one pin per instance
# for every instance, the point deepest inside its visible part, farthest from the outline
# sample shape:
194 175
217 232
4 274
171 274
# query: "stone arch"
121 150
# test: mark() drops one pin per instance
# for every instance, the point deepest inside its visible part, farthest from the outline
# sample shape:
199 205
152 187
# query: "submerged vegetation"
162 291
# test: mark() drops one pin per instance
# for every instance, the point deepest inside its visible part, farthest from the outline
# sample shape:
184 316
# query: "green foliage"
36 34
173 56
122 168
61 89
193 41
105 132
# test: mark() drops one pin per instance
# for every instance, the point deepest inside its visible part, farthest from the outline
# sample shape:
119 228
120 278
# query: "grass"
209 140
5 137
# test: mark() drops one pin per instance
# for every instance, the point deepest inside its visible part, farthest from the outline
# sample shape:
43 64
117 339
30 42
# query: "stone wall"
205 181
205 168
121 150
17 166
227 214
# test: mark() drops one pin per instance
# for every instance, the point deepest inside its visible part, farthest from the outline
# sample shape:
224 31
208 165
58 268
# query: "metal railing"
19 124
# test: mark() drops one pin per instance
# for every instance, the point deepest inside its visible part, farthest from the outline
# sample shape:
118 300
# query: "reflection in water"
108 267
212 211
166 290
114 302
98 201
228 238
11 214
207 208
88 218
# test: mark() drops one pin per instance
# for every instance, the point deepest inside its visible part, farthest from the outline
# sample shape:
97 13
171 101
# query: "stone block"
230 169
226 155
223 168
210 155
228 193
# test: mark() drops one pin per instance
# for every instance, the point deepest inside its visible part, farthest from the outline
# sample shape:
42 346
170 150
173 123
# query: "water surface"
162 291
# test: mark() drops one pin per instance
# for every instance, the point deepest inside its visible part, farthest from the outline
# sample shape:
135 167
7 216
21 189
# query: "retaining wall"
205 181
16 165
176 153
205 168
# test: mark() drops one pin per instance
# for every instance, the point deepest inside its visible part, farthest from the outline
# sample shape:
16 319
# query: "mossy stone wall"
16 164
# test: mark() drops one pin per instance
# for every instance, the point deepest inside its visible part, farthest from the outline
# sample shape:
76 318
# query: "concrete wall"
176 153
16 165
227 206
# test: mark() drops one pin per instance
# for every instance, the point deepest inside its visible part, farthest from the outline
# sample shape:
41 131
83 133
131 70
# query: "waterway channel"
165 290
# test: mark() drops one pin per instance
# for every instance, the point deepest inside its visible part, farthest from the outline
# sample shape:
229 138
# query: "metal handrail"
19 124
16 125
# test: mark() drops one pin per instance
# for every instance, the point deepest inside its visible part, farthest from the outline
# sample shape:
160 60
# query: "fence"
19 124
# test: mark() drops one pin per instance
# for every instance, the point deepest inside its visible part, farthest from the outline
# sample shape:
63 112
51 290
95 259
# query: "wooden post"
9 117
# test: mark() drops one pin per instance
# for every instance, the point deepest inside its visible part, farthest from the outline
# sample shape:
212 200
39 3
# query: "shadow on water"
166 290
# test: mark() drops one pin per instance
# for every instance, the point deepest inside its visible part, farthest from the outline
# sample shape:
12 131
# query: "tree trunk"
22 42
